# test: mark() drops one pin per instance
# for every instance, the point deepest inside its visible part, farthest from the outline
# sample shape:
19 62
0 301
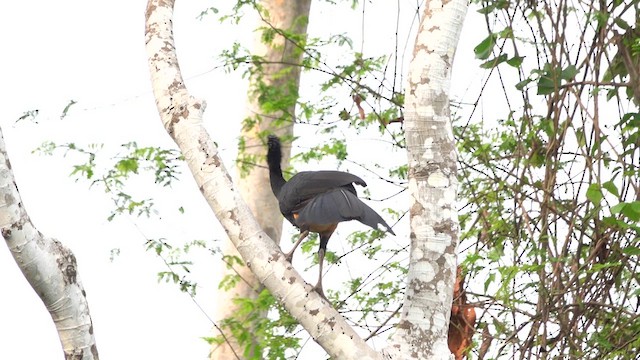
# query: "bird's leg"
289 255
324 239
318 287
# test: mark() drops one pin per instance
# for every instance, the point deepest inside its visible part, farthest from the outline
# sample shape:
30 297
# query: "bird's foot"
318 289
289 256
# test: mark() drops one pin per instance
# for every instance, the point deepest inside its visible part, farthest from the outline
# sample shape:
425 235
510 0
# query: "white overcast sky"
93 52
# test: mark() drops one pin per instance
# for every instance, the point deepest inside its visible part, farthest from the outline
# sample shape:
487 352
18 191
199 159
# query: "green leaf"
631 211
489 280
493 5
128 165
616 209
495 253
84 169
500 327
515 61
506 33
550 77
268 34
569 72
611 187
631 250
546 85
487 9
494 62
612 93
607 265
621 23
520 86
484 49
344 114
594 194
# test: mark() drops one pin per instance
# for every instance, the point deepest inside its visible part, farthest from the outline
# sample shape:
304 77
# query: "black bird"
317 201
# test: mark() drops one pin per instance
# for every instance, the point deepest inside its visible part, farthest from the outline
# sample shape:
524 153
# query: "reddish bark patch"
462 321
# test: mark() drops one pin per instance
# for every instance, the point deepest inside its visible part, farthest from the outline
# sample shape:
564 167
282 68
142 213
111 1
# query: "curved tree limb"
49 267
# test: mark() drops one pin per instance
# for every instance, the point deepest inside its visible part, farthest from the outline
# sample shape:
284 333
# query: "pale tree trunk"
279 55
49 267
181 115
422 331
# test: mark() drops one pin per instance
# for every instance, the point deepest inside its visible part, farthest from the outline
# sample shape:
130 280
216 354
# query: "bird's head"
273 142
274 157
274 153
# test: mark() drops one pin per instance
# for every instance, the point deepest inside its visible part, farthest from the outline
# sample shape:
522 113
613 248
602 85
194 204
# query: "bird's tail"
372 218
340 205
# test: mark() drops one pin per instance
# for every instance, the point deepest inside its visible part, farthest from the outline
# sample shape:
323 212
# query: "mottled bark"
422 331
181 115
278 72
49 267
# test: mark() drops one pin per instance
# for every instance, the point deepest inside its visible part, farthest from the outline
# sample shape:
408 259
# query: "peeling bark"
49 267
181 115
422 331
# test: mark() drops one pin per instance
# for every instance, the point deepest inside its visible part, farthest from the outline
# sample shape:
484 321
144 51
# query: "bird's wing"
316 182
306 185
338 205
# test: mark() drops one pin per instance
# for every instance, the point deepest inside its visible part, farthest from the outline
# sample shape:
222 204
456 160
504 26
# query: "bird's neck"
274 157
276 179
